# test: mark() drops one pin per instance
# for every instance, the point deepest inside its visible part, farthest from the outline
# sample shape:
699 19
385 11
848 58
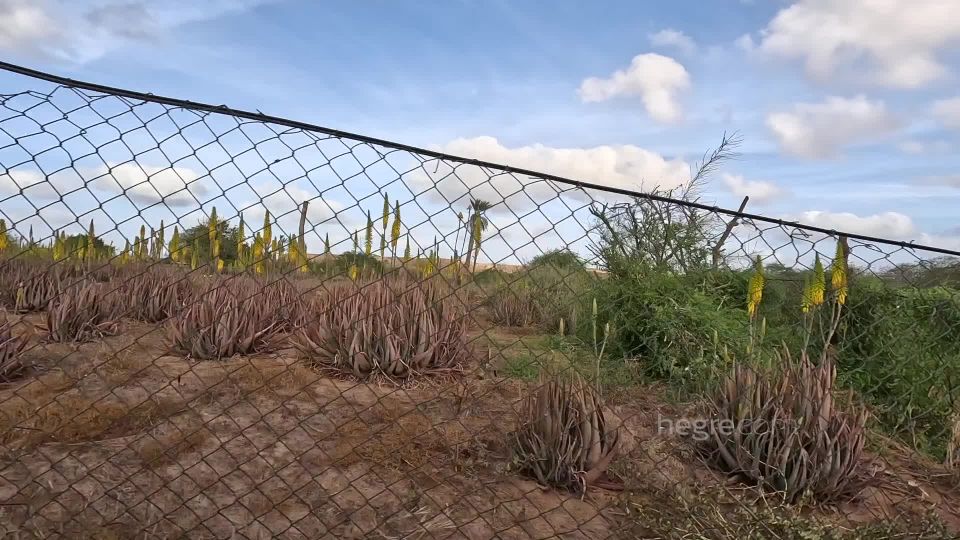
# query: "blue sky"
848 109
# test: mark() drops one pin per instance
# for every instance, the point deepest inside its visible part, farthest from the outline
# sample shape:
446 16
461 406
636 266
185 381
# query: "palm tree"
477 224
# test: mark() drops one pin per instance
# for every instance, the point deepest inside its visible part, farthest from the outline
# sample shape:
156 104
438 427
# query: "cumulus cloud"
37 186
821 130
26 22
284 206
83 30
669 37
895 42
947 112
759 191
892 225
174 186
624 166
656 79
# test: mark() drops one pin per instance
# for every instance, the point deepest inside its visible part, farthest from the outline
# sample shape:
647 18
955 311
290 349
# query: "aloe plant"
156 294
84 311
398 329
782 428
565 439
234 316
11 350
29 284
514 307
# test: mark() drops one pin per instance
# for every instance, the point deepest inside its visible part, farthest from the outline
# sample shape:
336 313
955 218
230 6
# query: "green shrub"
366 265
901 350
669 324
563 288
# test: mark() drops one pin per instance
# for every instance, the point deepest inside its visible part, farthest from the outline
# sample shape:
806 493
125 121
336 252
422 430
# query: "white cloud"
83 30
895 42
820 130
759 191
175 186
892 225
655 78
284 206
36 185
625 166
25 22
32 182
947 112
669 37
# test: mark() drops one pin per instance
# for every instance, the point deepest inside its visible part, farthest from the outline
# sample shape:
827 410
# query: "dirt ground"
119 438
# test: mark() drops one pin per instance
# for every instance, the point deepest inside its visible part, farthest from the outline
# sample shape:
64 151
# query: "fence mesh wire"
221 324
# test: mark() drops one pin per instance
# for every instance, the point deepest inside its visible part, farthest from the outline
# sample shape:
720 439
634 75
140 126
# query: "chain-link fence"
223 324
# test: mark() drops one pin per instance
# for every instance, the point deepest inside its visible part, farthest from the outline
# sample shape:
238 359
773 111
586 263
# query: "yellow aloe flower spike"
755 288
838 275
819 284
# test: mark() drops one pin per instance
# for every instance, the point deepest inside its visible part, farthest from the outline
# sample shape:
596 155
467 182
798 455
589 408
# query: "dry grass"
42 412
709 514
397 436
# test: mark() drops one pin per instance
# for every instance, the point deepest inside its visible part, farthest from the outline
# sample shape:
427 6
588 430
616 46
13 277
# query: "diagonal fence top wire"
580 184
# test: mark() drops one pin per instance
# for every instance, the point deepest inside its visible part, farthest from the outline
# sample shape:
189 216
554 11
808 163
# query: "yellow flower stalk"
353 272
142 245
258 253
91 245
806 299
395 232
385 222
838 275
160 240
214 237
195 254
4 240
755 288
174 246
819 284
241 246
267 239
368 242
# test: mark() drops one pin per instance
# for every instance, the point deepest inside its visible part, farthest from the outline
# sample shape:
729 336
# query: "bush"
565 440
668 324
563 288
896 343
233 316
84 311
514 307
366 266
782 429
398 329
